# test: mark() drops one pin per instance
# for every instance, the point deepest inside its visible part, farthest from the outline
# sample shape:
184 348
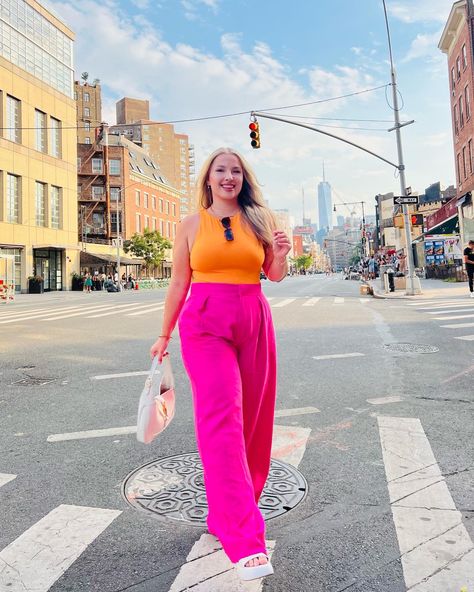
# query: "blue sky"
193 58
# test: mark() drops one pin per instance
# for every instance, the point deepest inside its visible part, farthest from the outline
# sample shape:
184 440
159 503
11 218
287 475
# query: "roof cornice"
457 14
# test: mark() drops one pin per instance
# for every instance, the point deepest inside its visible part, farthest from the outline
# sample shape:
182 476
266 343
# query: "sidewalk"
430 290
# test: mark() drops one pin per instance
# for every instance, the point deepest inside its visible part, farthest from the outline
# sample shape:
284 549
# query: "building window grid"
161 205
469 151
40 131
55 129
145 200
114 166
467 102
458 67
55 206
455 115
115 194
87 112
453 80
13 131
153 223
461 113
40 203
137 222
97 165
458 163
464 162
87 97
464 57
153 202
147 223
137 198
13 198
97 191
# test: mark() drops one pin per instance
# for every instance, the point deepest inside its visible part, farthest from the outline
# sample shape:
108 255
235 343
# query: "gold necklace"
227 216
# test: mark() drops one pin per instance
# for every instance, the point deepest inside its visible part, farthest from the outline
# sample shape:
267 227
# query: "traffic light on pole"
254 134
416 219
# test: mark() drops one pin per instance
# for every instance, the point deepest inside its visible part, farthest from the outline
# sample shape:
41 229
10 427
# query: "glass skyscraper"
324 206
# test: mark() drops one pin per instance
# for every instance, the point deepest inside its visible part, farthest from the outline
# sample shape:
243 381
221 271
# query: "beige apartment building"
88 99
38 200
171 151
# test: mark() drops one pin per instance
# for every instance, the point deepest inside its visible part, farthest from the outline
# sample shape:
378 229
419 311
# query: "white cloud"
192 7
141 4
425 46
421 10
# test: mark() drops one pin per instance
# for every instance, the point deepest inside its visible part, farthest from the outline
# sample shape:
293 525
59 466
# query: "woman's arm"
275 265
178 288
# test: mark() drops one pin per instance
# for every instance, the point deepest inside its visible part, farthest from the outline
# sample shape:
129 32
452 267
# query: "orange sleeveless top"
214 259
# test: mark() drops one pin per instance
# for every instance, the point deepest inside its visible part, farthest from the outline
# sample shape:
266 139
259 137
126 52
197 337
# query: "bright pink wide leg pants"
228 347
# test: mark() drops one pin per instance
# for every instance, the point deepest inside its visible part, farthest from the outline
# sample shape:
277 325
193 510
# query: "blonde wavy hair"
255 212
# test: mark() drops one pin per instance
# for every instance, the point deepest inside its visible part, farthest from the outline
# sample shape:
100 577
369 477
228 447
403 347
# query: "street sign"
405 199
117 242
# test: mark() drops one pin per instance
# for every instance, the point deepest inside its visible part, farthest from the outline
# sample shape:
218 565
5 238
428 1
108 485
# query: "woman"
228 347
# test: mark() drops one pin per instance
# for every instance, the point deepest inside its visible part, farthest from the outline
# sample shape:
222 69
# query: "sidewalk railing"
153 284
445 272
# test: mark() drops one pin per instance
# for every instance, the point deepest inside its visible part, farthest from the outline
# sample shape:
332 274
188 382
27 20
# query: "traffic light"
416 219
254 134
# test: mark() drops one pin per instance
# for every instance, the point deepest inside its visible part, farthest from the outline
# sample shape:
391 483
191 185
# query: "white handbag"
157 401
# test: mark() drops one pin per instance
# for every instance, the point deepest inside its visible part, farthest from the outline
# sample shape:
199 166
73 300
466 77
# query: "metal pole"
364 238
413 283
118 243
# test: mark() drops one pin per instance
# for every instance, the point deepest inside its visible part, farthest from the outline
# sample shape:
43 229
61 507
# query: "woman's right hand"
159 348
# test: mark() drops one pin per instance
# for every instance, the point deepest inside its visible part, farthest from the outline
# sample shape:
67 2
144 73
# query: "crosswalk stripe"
364 300
433 302
311 301
448 311
39 557
336 356
77 313
6 478
28 316
454 317
207 568
142 312
338 300
114 310
15 312
436 550
458 326
284 302
466 337
452 305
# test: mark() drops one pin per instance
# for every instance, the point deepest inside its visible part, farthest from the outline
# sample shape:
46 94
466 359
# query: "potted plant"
35 284
77 282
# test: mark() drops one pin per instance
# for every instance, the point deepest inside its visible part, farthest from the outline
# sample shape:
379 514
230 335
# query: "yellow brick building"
38 152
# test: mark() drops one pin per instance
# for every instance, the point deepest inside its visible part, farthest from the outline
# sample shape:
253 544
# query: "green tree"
303 261
149 246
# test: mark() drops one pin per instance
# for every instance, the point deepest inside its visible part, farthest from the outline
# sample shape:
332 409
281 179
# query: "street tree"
149 246
303 261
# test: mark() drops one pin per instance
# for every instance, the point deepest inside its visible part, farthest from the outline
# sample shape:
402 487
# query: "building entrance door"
48 264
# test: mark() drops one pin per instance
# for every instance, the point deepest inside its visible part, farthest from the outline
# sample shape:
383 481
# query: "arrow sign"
405 199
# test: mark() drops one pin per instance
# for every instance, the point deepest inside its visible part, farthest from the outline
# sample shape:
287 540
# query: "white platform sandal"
254 572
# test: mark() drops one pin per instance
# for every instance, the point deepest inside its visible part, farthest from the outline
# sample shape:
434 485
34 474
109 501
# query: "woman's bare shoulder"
190 221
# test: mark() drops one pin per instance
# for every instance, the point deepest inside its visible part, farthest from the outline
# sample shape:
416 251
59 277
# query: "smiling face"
225 178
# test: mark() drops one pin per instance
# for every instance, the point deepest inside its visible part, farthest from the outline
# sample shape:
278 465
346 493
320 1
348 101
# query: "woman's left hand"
281 244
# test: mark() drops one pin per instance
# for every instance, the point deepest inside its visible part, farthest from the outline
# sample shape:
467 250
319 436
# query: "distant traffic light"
416 219
254 134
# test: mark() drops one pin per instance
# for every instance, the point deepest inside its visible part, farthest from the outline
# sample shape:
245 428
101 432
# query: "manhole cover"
173 487
411 348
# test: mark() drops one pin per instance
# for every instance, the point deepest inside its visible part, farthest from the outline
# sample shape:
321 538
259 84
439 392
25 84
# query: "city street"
342 395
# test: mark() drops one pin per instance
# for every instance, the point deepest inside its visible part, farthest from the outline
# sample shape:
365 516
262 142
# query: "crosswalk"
450 310
87 310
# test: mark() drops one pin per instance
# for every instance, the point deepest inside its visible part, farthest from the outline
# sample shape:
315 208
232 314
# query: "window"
40 203
168 233
461 113
13 198
467 102
87 97
55 206
458 163
137 198
153 223
464 162
40 125
145 200
113 222
115 194
114 166
147 223
55 130
174 229
453 80
140 170
97 165
167 206
458 68
161 205
87 126
87 140
138 224
79 190
13 131
153 202
464 57
87 112
173 206
75 95
455 115
162 231
469 150
97 191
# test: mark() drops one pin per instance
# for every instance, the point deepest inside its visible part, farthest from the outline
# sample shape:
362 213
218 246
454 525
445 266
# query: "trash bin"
389 281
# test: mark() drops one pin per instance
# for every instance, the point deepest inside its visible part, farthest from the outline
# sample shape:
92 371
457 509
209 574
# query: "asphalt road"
351 532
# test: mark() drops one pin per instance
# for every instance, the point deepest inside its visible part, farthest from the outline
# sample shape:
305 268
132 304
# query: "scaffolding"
7 278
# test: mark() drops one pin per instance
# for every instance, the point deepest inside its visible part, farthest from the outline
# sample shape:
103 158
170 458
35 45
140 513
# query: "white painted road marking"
336 356
450 311
112 310
40 556
437 552
284 302
458 326
92 434
298 411
149 309
338 300
450 305
311 301
384 400
208 569
6 478
466 337
120 375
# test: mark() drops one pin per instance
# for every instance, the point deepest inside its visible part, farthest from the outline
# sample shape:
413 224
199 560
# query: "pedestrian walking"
228 347
88 283
469 261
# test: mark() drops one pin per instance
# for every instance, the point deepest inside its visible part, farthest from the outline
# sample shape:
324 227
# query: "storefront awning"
103 258
449 226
